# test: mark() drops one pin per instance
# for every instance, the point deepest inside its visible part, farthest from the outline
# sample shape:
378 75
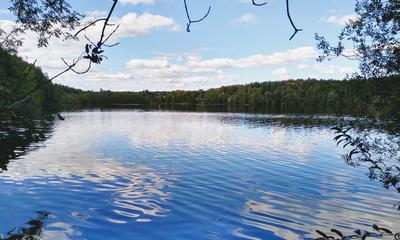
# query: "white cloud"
147 63
133 25
4 11
193 72
341 20
130 25
282 73
302 66
166 72
346 70
96 14
330 69
278 58
135 2
247 18
325 69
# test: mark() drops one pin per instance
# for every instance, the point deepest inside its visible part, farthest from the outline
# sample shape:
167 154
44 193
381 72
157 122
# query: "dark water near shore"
179 175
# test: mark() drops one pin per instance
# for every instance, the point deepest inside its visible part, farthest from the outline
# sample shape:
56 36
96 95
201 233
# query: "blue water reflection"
168 175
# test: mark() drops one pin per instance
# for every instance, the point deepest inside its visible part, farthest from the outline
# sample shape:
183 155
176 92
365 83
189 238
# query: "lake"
131 174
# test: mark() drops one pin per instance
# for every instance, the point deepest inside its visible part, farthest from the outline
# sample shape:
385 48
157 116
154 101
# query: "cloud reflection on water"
186 169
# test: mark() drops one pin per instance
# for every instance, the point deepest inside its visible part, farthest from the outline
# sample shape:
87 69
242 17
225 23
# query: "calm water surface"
169 175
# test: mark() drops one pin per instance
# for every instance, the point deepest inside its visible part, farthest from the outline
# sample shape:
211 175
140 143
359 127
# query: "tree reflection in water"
32 231
370 143
378 149
17 137
378 233
18 140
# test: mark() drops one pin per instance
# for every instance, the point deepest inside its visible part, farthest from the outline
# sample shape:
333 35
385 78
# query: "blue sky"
237 43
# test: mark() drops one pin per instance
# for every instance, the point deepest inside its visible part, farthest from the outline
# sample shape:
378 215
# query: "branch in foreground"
296 30
258 4
378 233
190 21
361 152
93 53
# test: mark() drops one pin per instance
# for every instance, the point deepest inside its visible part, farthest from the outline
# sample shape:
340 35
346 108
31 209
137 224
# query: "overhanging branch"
93 53
190 21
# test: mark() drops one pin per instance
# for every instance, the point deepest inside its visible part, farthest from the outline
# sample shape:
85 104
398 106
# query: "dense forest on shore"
373 97
18 77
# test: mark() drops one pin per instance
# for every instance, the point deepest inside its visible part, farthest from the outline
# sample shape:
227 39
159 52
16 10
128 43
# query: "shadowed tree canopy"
373 33
48 18
375 37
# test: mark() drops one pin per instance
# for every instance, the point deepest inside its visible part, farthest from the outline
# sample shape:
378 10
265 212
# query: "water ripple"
168 175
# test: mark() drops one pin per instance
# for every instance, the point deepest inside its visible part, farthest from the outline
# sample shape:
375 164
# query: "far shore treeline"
372 97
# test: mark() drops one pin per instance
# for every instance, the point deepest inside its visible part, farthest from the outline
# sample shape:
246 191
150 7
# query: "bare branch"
75 71
92 53
106 23
258 4
89 25
112 45
89 40
296 30
194 21
108 37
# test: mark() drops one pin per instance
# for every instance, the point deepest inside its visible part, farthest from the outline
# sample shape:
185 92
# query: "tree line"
373 97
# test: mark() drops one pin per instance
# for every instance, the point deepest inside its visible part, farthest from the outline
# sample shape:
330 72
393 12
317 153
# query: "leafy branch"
92 53
362 149
379 232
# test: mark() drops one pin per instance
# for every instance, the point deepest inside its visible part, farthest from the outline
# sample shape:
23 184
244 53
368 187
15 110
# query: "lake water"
179 175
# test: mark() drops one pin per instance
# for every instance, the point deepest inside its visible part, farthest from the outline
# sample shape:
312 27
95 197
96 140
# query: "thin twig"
27 95
77 72
89 25
106 23
94 57
258 4
296 30
190 21
108 37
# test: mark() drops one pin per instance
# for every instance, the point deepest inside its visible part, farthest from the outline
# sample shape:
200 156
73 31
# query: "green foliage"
373 97
374 36
18 77
380 152
378 233
47 18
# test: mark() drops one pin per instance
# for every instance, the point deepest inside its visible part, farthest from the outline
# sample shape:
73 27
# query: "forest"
322 164
377 97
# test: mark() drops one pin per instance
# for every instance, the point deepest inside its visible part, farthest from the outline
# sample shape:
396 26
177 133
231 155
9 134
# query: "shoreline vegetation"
378 97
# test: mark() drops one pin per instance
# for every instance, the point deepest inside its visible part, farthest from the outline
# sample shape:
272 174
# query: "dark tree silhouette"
55 21
380 153
374 36
32 231
48 18
377 233
56 18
